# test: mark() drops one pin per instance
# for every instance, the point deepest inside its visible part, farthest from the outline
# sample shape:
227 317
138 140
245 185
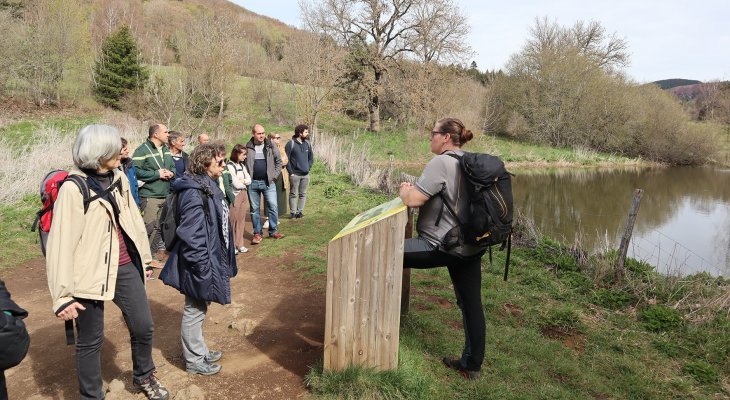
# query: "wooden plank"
405 304
333 255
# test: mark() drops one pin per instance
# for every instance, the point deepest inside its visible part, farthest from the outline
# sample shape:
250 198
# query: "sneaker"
256 239
152 388
455 364
292 215
203 368
276 235
266 225
243 249
236 252
213 356
300 215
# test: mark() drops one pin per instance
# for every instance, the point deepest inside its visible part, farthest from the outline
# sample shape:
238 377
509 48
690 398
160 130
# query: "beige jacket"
284 162
82 253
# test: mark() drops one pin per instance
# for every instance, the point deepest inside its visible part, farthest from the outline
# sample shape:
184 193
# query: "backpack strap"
83 187
444 201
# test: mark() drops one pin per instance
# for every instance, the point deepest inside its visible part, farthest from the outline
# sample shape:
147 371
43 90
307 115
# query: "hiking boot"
213 356
266 224
203 368
455 364
300 215
292 215
256 239
243 249
277 235
152 388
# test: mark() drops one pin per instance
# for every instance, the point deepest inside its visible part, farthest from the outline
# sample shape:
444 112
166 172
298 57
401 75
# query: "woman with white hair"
96 251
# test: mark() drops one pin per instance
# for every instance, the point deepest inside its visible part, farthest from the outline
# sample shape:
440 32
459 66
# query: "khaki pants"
152 207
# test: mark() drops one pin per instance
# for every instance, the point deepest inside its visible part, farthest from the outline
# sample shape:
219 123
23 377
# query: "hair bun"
466 135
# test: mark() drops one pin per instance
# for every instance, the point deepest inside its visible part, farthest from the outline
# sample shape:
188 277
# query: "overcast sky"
667 38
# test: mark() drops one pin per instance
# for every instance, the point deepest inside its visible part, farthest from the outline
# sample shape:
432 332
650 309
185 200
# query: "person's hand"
165 174
155 264
404 188
148 272
71 311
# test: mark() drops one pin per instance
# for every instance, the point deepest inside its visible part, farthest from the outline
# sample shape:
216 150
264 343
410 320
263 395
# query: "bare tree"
210 54
375 31
314 67
57 40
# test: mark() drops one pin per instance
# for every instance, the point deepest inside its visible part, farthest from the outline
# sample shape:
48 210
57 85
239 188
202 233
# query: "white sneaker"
242 249
266 225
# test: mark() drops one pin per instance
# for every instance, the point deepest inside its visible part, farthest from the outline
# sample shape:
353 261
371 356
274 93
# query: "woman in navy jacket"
203 260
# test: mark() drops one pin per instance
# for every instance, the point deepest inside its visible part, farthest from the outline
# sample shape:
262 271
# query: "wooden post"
405 297
628 230
364 272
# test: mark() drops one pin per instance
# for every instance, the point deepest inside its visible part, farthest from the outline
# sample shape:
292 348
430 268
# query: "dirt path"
277 333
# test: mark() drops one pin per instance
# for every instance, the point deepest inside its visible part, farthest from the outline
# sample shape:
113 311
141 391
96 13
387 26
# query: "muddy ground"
270 335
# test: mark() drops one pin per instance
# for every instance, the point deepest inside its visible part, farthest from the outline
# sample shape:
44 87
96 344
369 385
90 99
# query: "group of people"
102 248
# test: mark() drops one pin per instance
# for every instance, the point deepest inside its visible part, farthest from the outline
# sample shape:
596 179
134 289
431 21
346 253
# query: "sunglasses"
221 163
277 137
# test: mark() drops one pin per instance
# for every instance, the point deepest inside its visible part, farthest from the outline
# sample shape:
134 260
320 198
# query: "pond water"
683 224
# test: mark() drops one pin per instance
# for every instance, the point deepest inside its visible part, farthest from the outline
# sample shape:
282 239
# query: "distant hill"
671 83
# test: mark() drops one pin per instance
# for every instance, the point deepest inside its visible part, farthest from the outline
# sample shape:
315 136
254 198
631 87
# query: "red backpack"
50 186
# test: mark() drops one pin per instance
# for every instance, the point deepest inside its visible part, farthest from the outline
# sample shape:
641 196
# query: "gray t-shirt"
441 173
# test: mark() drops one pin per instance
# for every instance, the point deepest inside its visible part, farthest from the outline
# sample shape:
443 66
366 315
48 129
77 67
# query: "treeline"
404 62
566 88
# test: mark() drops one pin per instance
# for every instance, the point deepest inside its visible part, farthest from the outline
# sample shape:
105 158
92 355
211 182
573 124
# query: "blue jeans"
255 191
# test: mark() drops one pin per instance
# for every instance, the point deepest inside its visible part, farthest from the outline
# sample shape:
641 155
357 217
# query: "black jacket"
14 339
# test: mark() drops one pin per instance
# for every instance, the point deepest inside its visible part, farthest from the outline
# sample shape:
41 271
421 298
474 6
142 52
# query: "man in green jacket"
155 169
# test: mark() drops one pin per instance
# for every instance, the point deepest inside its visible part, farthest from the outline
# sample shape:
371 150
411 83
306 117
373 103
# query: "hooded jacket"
82 254
200 265
272 156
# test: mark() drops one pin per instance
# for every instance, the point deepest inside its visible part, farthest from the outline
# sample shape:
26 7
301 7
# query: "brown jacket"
82 254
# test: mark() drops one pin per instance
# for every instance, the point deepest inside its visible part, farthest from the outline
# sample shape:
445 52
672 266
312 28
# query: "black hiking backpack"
169 218
488 220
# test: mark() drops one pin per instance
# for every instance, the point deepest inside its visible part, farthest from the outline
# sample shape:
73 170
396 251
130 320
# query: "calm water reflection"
683 224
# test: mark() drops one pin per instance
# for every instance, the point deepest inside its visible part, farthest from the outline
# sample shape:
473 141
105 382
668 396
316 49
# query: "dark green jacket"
148 159
227 186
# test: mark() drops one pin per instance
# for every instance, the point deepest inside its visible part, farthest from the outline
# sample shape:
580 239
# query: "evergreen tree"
118 70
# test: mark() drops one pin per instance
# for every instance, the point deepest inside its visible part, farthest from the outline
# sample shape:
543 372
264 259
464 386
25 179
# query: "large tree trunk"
374 104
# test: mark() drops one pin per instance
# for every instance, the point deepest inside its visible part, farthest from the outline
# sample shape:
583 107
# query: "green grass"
414 147
19 244
23 133
551 335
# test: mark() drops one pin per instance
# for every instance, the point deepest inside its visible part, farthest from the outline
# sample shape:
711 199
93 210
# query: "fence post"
628 230
405 297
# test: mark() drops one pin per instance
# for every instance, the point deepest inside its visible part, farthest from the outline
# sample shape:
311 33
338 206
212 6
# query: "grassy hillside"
670 83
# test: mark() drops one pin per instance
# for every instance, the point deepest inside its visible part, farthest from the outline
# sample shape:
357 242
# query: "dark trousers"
466 275
131 298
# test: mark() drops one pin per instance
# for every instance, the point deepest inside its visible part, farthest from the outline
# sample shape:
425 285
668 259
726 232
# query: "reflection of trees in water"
565 202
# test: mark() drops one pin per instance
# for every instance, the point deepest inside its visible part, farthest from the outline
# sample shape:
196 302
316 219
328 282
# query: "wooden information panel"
364 274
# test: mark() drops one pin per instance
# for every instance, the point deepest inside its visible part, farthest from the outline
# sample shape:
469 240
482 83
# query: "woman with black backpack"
442 180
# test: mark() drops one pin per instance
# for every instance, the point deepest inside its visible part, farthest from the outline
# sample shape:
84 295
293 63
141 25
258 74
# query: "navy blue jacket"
199 264
300 156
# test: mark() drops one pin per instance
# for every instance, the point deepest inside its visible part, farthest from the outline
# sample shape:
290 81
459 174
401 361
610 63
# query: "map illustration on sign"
371 216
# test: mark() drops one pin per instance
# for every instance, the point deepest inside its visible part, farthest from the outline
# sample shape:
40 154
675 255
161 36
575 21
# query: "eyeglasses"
434 133
221 163
277 137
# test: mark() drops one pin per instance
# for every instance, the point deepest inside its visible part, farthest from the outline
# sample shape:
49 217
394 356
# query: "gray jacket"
272 156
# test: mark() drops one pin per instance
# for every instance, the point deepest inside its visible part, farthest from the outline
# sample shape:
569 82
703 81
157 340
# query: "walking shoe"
455 364
203 368
152 388
213 356
276 235
292 215
243 249
256 239
300 215
266 224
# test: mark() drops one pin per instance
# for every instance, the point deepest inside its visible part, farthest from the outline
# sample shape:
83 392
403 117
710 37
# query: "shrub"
565 317
659 318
